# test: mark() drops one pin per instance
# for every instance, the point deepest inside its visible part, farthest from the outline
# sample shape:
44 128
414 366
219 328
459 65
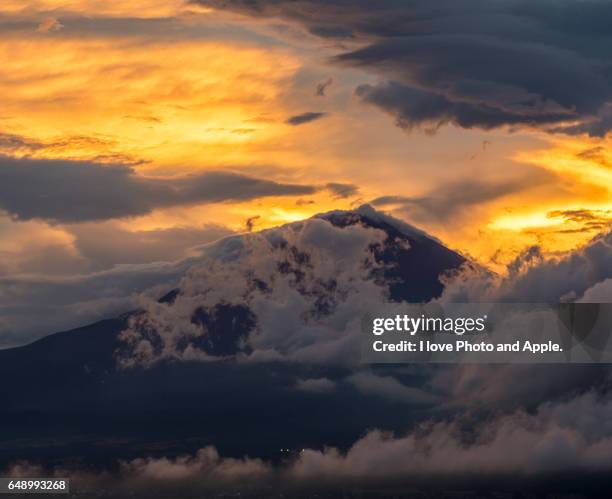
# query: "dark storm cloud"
301 119
596 126
474 63
417 108
72 191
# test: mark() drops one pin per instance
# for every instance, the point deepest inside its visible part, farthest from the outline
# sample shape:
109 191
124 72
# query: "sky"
132 132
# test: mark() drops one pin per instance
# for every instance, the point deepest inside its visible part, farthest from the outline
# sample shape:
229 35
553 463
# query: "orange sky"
174 90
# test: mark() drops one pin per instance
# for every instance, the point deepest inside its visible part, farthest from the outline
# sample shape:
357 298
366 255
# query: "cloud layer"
570 436
74 191
475 64
304 285
533 278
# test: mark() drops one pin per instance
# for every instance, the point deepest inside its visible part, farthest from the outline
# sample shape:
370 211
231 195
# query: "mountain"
218 359
409 256
290 292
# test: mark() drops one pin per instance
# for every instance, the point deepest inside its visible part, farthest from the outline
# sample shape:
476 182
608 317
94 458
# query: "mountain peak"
291 291
367 215
288 292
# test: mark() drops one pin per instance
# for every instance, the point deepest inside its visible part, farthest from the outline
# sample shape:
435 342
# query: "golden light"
141 9
523 222
175 105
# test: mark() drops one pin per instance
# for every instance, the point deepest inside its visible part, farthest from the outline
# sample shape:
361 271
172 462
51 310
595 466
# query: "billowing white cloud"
558 437
305 285
158 476
206 465
533 278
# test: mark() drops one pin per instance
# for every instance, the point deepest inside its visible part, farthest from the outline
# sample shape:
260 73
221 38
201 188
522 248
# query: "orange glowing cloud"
171 104
128 8
188 101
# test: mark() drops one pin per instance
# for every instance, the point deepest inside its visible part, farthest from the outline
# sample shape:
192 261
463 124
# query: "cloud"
75 191
91 247
80 146
597 154
390 388
587 220
560 279
302 287
599 293
322 87
506 388
49 25
478 64
597 125
286 279
107 244
571 436
304 202
161 476
450 200
33 306
120 8
206 467
316 385
302 119
412 108
296 293
558 437
534 278
13 143
341 190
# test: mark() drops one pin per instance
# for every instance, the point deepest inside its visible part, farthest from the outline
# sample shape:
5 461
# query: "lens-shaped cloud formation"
474 64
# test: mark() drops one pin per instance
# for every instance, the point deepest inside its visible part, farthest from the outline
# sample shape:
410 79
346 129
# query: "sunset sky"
177 321
133 131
